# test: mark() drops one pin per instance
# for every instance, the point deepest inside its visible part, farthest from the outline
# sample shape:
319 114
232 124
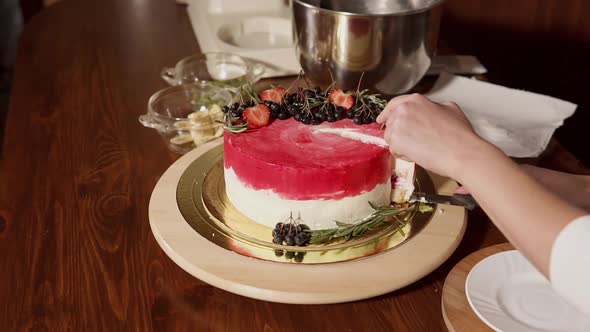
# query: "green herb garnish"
381 215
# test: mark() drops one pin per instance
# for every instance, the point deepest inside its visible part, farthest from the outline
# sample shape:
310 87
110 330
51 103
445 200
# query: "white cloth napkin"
520 123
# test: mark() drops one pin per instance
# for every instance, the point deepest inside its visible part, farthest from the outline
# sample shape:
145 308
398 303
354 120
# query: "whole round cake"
310 172
291 168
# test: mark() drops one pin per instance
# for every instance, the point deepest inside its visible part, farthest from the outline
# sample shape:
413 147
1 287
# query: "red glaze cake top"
297 163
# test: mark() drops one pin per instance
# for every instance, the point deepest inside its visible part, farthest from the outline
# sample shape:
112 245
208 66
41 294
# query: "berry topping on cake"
341 99
257 116
291 232
275 95
309 106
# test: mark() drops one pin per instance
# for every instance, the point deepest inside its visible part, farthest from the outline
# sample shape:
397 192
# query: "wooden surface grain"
76 175
457 312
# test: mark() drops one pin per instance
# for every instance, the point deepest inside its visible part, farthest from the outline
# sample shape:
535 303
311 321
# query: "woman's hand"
437 136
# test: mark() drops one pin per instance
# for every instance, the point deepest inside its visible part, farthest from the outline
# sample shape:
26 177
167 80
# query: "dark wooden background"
536 45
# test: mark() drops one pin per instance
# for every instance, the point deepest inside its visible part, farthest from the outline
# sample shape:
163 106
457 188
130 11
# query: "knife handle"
468 200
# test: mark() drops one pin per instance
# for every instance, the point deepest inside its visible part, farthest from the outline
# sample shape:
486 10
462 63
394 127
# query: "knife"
466 201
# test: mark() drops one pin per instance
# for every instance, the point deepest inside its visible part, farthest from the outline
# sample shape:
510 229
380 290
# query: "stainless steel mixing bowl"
391 41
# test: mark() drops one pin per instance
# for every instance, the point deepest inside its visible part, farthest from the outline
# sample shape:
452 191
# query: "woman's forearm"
529 215
573 188
439 137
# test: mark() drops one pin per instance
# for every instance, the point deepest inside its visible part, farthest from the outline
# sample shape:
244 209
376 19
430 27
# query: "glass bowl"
215 68
187 115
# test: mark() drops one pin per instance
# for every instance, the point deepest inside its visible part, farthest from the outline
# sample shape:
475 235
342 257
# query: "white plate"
509 294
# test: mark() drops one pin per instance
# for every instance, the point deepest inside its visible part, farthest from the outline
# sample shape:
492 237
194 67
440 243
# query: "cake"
310 158
290 168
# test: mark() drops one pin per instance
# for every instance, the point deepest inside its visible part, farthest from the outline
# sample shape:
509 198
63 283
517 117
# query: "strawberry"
257 116
275 95
339 98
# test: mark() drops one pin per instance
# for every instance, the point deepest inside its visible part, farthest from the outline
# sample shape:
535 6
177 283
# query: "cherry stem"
358 87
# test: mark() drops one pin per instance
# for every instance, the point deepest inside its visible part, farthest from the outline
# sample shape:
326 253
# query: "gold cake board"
300 283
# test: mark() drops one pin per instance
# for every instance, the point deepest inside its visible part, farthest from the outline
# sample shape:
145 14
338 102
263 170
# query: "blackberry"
331 109
274 107
299 257
290 229
276 233
358 119
290 240
292 109
301 239
289 99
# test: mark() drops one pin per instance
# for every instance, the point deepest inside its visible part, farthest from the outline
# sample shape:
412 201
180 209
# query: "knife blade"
466 201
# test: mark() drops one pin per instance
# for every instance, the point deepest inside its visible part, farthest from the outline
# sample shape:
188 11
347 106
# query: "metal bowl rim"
403 13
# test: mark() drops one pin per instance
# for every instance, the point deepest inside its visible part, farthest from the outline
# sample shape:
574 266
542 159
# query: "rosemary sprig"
236 129
374 99
248 92
295 83
367 102
380 216
234 125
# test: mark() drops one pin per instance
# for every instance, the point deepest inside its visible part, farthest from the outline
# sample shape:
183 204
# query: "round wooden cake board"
300 283
456 310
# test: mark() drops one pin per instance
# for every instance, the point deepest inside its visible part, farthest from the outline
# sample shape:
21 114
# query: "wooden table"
77 173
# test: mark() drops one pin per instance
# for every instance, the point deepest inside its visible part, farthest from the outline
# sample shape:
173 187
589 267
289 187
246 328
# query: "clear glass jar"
215 68
187 115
